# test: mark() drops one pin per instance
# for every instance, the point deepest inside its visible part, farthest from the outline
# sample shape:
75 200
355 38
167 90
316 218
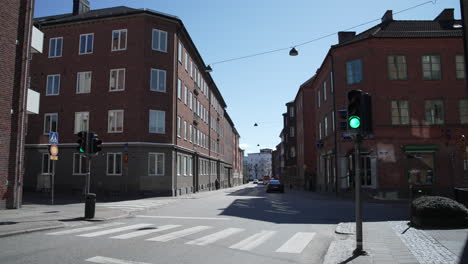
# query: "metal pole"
357 183
53 181
88 176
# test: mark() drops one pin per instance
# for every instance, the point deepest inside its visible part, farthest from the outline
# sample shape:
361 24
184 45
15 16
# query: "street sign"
53 157
53 138
53 151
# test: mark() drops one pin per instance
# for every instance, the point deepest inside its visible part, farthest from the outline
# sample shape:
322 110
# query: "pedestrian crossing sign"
53 138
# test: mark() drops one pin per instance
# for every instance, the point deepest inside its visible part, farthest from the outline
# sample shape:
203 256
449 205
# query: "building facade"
135 78
258 165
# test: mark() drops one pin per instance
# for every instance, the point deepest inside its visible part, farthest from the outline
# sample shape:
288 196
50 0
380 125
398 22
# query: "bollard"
90 205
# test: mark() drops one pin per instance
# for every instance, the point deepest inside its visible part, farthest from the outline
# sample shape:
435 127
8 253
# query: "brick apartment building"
19 40
289 148
415 73
135 78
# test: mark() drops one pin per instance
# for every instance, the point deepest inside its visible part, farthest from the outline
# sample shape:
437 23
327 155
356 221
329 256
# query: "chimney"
445 16
80 6
345 36
387 17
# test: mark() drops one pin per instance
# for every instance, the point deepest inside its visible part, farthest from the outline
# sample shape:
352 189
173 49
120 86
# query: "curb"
342 230
31 230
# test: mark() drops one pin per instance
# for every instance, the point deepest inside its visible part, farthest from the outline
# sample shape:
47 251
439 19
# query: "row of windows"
191 133
113 164
398 69
184 165
194 72
118 42
115 122
192 102
116 81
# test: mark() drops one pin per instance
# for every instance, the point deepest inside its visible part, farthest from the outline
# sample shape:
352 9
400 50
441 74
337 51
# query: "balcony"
37 40
33 102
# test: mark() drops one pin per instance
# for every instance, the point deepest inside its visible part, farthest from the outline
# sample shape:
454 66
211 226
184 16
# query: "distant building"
258 165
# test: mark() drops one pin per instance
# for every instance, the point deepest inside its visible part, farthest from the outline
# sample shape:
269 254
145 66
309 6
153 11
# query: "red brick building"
15 49
414 71
135 78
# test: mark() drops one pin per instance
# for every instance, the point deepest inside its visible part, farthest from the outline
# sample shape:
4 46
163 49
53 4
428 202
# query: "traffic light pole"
358 203
88 176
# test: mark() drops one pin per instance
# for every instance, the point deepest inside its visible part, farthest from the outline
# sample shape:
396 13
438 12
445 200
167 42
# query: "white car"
255 181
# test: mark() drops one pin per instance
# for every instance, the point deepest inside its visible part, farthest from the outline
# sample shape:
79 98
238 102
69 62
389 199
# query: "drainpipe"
334 124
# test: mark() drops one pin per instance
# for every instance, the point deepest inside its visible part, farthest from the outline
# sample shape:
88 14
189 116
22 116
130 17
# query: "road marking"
203 241
253 241
179 234
114 230
183 217
145 232
296 243
124 205
104 260
83 229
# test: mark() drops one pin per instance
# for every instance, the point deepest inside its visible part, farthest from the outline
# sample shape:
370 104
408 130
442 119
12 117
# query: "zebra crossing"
294 245
136 205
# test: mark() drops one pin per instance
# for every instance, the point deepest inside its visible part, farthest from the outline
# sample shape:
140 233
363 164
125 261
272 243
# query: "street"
244 225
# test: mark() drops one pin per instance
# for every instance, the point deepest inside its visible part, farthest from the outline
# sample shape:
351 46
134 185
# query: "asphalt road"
243 226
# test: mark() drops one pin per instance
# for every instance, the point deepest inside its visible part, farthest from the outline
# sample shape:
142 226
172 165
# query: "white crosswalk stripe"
84 229
253 241
296 243
106 260
115 230
179 234
203 241
136 205
145 232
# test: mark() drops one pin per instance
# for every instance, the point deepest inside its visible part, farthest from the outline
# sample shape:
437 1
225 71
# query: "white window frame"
185 94
47 132
119 46
82 159
158 88
185 130
156 156
191 133
78 87
86 44
158 48
156 120
191 101
115 112
49 163
179 89
55 48
118 76
79 115
178 126
186 61
325 91
325 126
180 53
113 165
53 84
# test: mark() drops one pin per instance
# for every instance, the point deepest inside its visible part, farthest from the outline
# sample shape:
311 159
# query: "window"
158 80
117 80
83 82
464 111
53 84
318 98
291 111
291 131
114 163
324 91
155 164
191 69
185 166
397 67
179 52
333 120
119 39
185 130
420 167
434 112
55 47
186 61
159 40
157 121
179 89
460 66
325 126
80 164
50 123
320 130
431 67
81 121
185 95
178 126
190 101
400 112
86 43
179 164
115 121
293 152
354 71
47 164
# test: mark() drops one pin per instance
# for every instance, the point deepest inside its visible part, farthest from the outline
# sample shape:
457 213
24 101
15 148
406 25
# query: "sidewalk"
395 242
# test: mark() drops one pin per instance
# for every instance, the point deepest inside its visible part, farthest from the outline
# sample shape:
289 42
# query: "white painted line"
84 229
203 241
253 241
145 232
114 230
104 260
179 234
125 205
296 243
183 217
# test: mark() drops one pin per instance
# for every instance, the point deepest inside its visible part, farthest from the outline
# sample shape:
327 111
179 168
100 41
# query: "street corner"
345 228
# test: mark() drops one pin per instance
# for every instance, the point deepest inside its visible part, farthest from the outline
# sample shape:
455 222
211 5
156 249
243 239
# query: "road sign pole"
53 181
358 202
88 176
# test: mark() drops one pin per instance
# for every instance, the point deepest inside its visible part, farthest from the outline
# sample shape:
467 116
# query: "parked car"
275 186
255 181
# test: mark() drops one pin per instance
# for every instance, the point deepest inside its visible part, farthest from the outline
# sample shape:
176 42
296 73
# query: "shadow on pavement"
298 207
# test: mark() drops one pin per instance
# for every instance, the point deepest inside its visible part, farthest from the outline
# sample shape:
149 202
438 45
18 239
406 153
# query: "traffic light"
95 144
359 112
82 142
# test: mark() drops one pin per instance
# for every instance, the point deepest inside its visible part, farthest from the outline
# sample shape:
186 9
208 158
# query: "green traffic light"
354 121
81 150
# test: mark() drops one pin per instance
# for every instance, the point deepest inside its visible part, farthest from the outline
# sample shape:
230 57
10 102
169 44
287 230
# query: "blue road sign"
53 138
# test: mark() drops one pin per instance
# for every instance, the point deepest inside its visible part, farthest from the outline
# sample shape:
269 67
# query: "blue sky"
256 89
